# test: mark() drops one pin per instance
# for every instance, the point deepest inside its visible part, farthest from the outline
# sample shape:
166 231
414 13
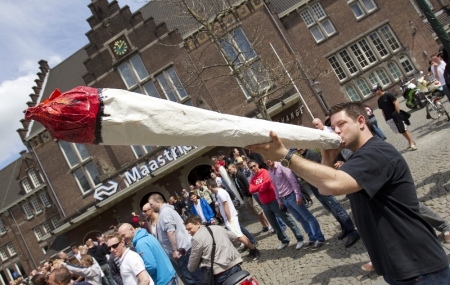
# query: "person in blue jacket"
202 209
156 261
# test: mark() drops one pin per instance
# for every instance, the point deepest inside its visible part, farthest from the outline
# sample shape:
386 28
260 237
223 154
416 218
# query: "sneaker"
283 246
446 237
308 244
368 267
299 245
352 239
317 245
411 147
265 229
271 230
255 244
254 253
342 235
241 246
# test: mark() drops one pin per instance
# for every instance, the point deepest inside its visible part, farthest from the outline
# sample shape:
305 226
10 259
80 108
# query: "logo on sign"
106 190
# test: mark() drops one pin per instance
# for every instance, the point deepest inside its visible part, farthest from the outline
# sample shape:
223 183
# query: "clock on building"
120 47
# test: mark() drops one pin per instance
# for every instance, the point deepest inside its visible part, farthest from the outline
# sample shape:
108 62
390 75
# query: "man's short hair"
233 165
62 275
211 182
220 152
353 110
74 247
193 219
40 279
89 243
192 193
157 198
114 235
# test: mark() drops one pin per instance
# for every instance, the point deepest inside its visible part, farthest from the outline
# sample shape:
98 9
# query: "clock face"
120 47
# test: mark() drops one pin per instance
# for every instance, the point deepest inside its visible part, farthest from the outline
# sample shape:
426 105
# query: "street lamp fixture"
318 89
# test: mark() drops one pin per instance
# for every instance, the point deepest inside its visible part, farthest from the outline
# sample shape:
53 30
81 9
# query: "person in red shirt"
261 183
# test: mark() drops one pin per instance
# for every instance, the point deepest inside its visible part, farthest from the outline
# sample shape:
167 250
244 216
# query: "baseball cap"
376 87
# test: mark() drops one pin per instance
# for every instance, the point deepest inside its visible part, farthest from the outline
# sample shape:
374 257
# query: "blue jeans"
331 204
304 217
192 278
446 92
377 130
173 281
218 280
107 271
279 220
441 277
272 209
248 234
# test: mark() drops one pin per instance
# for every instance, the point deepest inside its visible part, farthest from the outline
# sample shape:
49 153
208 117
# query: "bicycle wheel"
432 111
443 111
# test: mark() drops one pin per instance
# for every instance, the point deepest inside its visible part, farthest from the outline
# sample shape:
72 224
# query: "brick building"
346 45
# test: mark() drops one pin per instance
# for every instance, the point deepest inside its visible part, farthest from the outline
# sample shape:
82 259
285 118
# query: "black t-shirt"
386 103
400 243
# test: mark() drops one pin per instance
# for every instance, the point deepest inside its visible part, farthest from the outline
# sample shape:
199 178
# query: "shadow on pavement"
435 178
343 271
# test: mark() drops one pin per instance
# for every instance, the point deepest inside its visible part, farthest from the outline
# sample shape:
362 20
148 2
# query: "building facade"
61 194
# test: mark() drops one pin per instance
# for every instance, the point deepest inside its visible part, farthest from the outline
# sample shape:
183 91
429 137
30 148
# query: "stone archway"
199 172
144 199
91 235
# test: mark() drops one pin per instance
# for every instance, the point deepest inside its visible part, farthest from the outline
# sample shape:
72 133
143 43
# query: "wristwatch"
286 161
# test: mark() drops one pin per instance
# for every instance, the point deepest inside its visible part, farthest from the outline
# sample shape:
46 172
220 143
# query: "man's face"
236 151
253 167
221 156
232 170
436 59
213 175
318 124
347 129
198 184
147 210
214 160
171 201
193 198
270 163
192 229
126 233
377 92
116 247
75 250
156 206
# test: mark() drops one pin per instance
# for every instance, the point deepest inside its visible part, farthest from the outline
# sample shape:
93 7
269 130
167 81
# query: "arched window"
393 69
362 86
380 77
351 93
406 64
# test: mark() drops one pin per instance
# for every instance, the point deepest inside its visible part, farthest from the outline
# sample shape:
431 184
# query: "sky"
32 30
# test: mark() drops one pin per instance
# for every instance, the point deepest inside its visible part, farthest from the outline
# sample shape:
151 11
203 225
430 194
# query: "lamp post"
318 90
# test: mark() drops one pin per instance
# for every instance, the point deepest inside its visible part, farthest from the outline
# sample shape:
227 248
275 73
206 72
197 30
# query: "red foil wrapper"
72 116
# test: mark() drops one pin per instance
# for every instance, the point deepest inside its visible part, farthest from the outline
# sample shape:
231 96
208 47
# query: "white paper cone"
135 119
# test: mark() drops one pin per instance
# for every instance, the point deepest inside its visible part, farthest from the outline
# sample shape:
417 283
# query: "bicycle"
435 108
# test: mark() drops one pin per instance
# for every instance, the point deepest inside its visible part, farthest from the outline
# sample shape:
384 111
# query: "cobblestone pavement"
333 264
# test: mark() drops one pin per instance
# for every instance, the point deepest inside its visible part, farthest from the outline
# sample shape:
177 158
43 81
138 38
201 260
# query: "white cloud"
13 98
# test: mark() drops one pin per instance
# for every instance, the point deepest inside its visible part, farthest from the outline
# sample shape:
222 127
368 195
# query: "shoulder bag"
207 272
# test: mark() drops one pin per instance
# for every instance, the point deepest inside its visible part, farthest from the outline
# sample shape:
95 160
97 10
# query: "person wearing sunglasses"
132 268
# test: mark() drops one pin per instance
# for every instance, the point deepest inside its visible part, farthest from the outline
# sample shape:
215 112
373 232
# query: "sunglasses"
114 246
253 166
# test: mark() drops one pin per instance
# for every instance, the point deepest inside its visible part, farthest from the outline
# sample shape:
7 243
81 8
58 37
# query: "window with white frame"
3 254
26 185
36 206
351 93
2 228
34 178
379 77
365 53
78 158
239 51
55 222
46 227
394 70
141 150
406 64
44 199
26 208
38 233
11 249
318 22
363 87
171 85
361 8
